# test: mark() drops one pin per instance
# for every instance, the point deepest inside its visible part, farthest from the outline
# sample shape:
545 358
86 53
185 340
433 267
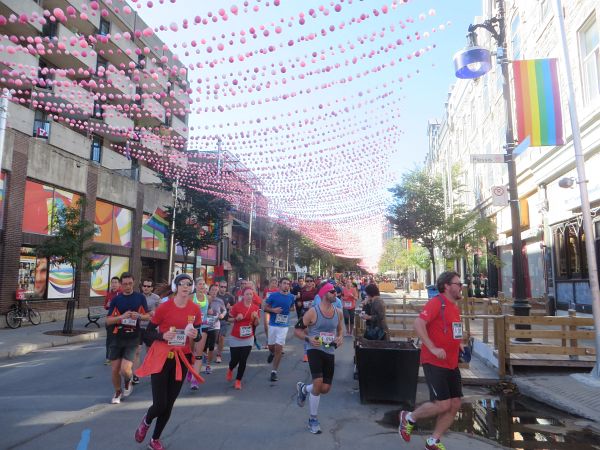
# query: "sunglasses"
224 287
310 281
333 291
185 284
147 285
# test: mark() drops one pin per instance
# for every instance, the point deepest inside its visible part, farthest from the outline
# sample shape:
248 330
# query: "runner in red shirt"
244 316
349 298
440 329
174 324
113 291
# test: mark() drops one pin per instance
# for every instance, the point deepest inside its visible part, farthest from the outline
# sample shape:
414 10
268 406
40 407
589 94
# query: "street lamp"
473 62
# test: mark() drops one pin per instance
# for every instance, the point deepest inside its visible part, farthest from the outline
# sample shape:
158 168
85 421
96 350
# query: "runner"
321 327
349 298
305 302
174 324
201 299
295 291
123 321
215 313
228 301
440 329
152 300
278 305
113 291
270 289
244 315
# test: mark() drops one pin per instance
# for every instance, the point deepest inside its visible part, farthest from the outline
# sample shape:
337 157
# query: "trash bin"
432 291
387 371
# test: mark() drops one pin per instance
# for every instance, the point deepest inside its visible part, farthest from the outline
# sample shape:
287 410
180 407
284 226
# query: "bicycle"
21 311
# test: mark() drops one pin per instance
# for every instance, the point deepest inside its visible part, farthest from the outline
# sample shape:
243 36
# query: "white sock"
409 417
308 388
432 440
313 402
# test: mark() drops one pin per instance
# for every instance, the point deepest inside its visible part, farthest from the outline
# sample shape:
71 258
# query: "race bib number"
281 318
457 330
178 340
307 304
245 331
327 338
348 305
210 321
129 322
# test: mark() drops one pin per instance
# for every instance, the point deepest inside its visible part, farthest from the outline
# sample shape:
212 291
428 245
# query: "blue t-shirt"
283 301
122 303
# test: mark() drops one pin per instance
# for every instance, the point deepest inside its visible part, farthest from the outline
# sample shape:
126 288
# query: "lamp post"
172 233
473 62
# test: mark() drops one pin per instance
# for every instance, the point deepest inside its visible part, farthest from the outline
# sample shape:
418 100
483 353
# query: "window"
589 49
155 231
101 66
104 267
96 152
515 39
544 9
104 27
45 75
112 224
41 200
41 125
569 251
50 29
98 109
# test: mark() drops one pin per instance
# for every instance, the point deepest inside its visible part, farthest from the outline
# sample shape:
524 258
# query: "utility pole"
3 119
172 234
250 223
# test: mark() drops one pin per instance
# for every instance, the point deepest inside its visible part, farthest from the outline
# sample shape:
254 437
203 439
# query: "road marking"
85 439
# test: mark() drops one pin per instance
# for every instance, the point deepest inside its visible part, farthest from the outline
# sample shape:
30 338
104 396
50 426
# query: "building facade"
474 122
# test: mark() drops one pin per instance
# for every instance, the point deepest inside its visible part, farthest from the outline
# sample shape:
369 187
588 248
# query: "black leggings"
239 355
211 339
165 389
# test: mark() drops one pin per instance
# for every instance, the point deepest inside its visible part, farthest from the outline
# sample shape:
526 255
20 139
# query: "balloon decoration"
304 100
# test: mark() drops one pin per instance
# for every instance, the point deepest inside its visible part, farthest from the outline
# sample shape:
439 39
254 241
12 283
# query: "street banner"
499 196
537 98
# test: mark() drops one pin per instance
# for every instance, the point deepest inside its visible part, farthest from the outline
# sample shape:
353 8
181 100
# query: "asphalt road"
59 398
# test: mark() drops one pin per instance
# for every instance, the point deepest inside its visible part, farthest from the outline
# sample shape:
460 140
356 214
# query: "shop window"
209 253
42 280
41 200
104 267
589 49
155 230
570 252
113 224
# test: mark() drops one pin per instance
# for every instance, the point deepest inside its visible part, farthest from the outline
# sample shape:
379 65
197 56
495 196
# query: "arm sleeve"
152 334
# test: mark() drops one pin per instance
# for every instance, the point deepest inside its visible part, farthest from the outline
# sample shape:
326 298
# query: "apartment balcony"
88 26
77 57
116 13
152 77
69 140
114 126
19 7
20 64
148 176
117 51
114 83
153 113
178 127
20 118
152 142
178 97
80 102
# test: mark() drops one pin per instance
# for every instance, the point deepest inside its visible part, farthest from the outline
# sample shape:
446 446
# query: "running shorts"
321 365
443 383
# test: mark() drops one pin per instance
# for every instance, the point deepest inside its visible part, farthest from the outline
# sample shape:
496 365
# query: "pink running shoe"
155 444
142 429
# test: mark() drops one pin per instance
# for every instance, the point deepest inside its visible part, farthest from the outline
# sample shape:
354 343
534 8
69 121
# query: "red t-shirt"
450 339
268 291
243 329
109 297
349 302
169 315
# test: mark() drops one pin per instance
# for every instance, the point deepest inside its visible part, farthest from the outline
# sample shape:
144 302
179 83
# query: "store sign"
487 158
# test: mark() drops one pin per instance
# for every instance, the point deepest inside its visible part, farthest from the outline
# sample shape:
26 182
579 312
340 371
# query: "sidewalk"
29 338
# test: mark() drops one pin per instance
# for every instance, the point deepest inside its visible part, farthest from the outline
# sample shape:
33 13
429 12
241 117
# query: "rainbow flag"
538 102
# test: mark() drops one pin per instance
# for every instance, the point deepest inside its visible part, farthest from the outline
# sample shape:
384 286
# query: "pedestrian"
376 328
228 300
113 291
321 327
245 316
152 300
174 324
278 306
440 329
123 319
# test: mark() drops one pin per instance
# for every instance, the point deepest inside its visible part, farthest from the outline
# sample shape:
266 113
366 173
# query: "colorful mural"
100 275
60 281
113 224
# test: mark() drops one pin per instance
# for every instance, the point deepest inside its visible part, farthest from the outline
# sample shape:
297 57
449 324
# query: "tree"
418 210
71 243
246 264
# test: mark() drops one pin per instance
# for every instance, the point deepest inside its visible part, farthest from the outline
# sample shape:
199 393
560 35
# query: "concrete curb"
56 341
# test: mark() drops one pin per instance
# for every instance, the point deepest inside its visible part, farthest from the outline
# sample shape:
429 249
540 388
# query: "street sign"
488 158
499 196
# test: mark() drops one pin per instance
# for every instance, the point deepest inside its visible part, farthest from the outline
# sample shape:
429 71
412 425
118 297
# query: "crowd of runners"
176 337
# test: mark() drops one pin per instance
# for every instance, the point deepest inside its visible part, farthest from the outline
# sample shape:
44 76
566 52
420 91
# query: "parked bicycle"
21 311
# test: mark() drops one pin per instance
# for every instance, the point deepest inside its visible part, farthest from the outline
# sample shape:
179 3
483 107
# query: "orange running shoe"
238 385
229 375
305 359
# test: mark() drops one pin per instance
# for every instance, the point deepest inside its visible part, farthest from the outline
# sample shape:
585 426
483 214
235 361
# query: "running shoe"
313 425
434 444
107 362
128 389
270 357
274 375
208 370
155 444
194 384
238 385
405 428
305 358
135 379
188 377
142 429
301 395
117 397
257 345
218 361
229 375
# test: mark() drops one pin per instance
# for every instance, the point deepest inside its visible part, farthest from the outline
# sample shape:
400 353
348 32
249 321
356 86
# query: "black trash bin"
388 371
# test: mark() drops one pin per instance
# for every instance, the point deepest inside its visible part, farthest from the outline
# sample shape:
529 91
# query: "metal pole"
250 223
520 304
583 190
172 234
219 150
3 119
